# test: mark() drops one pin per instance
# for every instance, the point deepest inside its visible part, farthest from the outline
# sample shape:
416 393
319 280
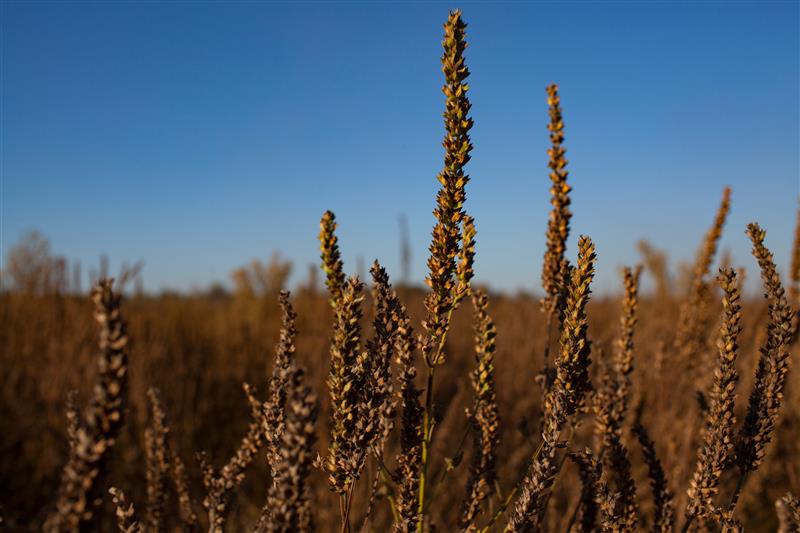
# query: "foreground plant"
663 520
93 434
162 463
221 484
483 417
452 247
555 267
719 424
288 507
564 398
611 401
773 366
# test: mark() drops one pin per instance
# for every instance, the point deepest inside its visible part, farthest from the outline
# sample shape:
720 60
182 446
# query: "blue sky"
198 135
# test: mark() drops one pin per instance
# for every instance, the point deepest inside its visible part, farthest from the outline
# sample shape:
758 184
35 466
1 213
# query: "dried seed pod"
788 509
346 388
331 258
767 394
410 458
663 514
484 416
558 223
563 399
448 281
288 500
93 435
719 424
125 513
690 332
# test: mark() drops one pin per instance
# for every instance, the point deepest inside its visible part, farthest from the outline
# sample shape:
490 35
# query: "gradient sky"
198 135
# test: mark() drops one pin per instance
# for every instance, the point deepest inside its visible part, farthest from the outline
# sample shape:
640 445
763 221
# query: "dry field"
378 407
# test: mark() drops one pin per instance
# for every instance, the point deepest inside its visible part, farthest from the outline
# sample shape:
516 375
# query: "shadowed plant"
93 433
718 430
663 514
125 513
564 397
452 245
221 484
483 417
766 396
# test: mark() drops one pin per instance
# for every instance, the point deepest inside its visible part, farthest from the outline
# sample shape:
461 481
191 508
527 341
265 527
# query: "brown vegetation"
363 423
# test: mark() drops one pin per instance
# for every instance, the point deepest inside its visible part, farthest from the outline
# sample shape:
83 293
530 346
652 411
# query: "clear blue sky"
198 135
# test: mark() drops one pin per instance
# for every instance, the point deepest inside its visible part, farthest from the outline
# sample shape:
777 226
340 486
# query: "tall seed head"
719 424
331 258
558 223
572 374
767 394
452 224
345 385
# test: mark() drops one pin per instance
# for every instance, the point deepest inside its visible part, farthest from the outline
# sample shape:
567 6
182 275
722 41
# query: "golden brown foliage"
405 472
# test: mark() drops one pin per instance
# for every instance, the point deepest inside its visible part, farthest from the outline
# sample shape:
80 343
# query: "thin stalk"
446 471
738 491
558 476
513 492
386 477
345 504
427 422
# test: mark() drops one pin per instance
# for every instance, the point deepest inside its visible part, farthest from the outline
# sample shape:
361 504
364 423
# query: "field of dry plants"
378 407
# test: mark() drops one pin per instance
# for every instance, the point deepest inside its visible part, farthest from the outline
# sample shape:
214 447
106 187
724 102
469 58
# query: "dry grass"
363 423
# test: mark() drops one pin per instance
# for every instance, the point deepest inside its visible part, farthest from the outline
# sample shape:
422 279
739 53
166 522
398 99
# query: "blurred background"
196 136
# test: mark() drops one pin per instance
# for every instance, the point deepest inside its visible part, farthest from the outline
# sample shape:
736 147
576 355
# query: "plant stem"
513 492
386 477
446 471
346 505
427 417
738 491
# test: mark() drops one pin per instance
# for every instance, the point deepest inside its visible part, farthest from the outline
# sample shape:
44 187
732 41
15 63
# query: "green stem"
513 492
555 482
446 471
386 477
427 417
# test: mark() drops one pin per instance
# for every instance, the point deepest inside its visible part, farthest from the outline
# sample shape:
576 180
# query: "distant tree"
217 291
655 262
262 279
29 266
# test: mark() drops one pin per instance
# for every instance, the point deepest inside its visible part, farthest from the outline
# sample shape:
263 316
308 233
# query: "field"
388 406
